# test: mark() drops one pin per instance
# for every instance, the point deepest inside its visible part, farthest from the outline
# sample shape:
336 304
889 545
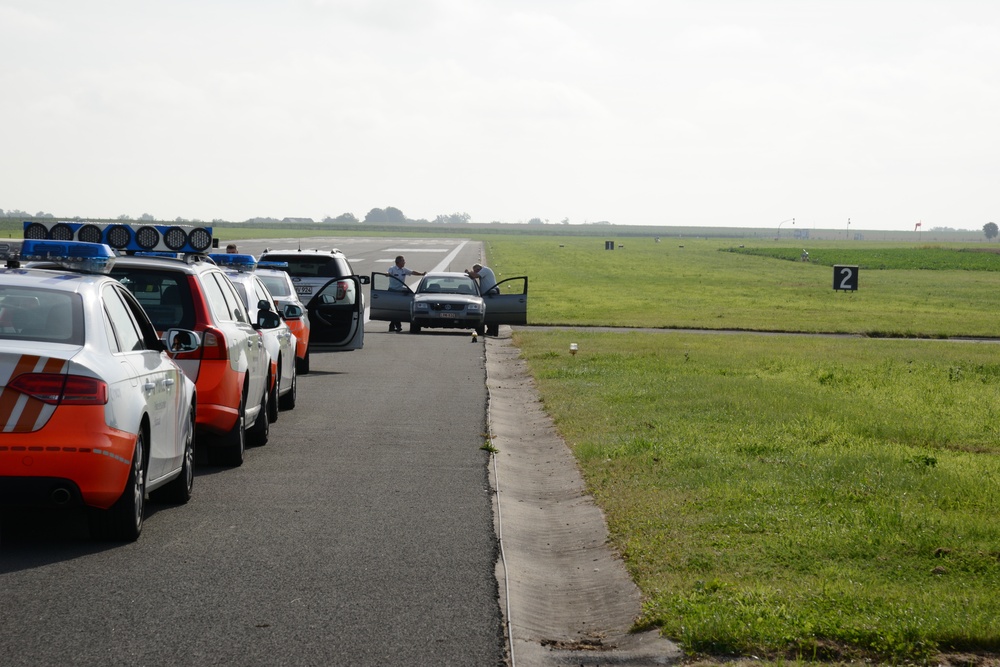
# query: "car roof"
62 280
196 264
446 274
302 251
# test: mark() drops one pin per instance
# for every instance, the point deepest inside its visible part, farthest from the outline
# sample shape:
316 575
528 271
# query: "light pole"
791 220
848 229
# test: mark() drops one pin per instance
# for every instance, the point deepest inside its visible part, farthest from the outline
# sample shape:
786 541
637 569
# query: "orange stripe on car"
19 413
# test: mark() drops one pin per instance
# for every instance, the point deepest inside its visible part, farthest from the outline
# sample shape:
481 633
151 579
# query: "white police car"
279 341
93 410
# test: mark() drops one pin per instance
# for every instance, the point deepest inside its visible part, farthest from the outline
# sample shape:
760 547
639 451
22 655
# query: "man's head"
476 267
400 261
231 248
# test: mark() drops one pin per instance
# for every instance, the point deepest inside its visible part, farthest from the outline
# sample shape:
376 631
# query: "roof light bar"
125 237
235 261
73 255
267 264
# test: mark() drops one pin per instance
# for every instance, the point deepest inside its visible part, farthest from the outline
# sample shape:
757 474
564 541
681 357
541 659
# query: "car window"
448 285
235 309
261 294
276 285
164 295
28 313
312 266
126 334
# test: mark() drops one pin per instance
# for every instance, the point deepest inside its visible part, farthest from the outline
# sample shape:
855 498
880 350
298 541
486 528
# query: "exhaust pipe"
60 496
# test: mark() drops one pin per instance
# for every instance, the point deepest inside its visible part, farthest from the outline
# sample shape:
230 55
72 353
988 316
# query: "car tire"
179 490
258 433
480 330
302 365
287 402
414 328
272 402
232 446
122 522
493 330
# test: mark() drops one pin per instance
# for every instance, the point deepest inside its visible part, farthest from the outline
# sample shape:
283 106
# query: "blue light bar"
266 264
235 261
74 255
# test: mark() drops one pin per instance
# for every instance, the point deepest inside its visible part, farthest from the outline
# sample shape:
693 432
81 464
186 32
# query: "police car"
279 284
94 412
167 268
279 341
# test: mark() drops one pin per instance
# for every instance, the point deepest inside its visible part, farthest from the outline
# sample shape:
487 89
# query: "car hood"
446 298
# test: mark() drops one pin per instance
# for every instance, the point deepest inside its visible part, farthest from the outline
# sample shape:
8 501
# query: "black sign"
845 278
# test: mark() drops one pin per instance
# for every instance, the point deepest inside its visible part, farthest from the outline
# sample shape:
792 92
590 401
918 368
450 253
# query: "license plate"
303 289
447 314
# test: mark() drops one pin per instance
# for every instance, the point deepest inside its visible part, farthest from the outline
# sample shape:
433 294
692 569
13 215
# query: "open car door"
390 299
507 303
336 316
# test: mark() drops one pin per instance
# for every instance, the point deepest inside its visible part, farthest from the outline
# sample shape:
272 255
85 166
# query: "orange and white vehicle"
279 341
93 410
279 284
231 367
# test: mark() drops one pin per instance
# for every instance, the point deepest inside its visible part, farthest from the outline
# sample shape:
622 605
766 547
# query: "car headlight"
420 306
474 307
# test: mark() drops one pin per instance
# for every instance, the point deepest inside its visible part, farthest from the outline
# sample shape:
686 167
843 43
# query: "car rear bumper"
88 460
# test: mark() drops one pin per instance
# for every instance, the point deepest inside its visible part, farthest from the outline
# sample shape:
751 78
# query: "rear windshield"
278 287
448 285
164 295
28 313
309 266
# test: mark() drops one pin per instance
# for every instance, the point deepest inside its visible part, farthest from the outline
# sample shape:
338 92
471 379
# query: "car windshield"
308 266
164 295
28 313
447 285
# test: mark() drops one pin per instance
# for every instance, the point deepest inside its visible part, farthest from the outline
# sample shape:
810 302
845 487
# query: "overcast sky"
666 112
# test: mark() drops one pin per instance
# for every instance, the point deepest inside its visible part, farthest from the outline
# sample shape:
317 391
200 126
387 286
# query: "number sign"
845 278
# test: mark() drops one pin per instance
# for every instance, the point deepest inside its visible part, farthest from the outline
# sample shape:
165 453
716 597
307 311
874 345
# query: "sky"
874 114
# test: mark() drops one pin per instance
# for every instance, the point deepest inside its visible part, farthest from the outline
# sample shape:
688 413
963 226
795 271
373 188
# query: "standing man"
484 275
399 272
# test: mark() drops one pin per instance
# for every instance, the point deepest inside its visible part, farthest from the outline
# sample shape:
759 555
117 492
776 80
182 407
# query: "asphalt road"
362 534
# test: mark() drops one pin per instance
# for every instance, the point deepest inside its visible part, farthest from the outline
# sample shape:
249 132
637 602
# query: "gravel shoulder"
566 596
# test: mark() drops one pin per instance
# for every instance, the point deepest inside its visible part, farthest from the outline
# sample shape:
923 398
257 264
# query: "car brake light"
55 389
341 290
213 345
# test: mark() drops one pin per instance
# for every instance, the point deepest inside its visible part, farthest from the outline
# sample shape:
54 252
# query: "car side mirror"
364 280
267 319
263 304
181 340
292 311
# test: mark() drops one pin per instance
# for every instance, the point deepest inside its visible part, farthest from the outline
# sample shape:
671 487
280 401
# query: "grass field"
795 497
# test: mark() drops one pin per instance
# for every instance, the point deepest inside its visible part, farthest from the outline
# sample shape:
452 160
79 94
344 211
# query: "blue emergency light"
125 237
74 255
267 264
236 261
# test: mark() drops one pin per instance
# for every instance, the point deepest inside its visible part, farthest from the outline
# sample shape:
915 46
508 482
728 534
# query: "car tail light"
55 389
341 290
213 344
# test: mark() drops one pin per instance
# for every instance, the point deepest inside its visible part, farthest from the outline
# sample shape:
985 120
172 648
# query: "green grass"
799 498
791 496
701 285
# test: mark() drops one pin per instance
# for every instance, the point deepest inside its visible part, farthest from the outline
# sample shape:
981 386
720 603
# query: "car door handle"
149 387
169 382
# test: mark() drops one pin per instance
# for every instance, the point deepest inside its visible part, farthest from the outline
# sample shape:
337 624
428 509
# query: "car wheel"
480 330
258 433
302 365
178 491
122 522
493 330
272 402
287 402
232 446
414 328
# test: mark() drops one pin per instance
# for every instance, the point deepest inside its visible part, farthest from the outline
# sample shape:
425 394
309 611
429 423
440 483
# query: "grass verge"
789 496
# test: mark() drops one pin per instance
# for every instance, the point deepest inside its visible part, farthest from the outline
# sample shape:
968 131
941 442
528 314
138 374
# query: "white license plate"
447 314
303 289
